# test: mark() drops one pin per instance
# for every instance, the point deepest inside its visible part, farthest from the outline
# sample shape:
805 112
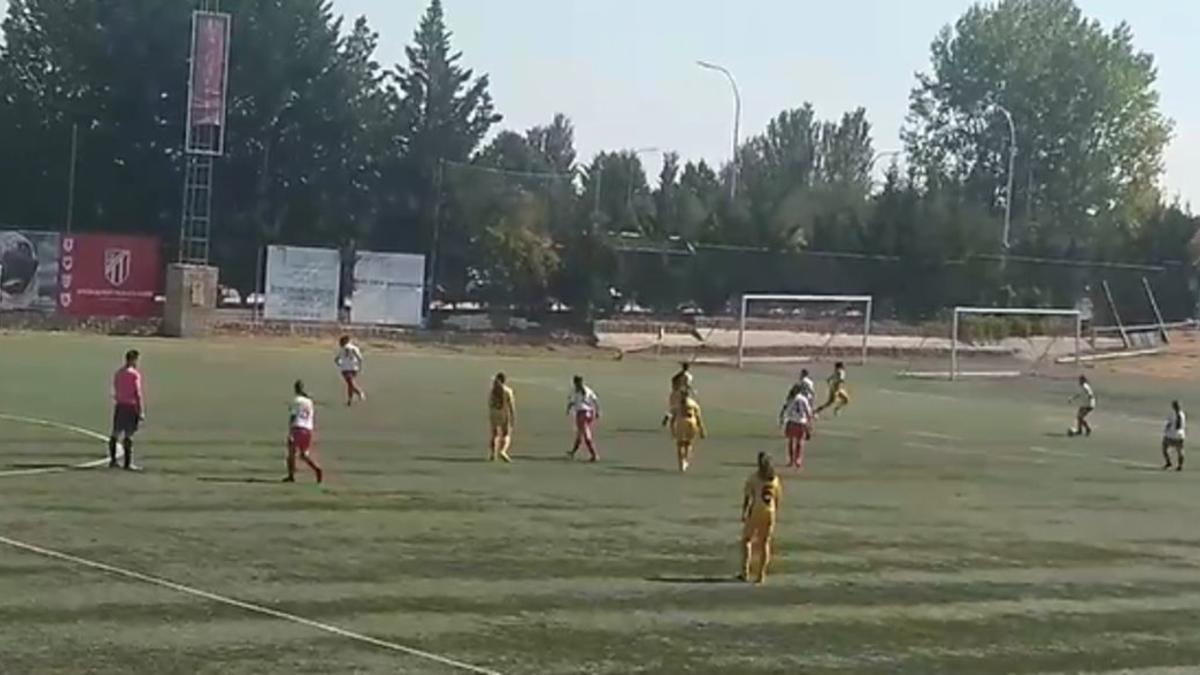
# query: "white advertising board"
388 289
302 284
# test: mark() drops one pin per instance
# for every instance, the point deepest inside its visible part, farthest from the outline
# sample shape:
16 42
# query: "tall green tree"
1090 135
443 114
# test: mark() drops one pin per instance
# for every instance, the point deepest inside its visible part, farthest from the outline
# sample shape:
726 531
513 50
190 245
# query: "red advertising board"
108 275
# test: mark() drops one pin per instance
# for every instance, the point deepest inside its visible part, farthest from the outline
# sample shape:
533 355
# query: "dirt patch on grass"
1179 361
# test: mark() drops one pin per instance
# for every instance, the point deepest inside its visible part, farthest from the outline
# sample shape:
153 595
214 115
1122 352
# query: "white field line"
943 448
250 607
1082 455
54 425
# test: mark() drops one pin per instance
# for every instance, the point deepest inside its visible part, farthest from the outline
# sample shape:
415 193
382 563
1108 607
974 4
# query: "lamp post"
1012 161
737 122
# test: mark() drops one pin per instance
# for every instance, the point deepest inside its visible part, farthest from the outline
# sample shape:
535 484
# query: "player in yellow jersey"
760 504
687 424
681 385
839 395
502 415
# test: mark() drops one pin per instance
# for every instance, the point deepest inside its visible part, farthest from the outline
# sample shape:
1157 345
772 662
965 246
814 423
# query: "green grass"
925 537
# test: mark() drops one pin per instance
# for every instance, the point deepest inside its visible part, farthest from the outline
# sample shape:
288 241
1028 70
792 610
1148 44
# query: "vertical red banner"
109 275
209 69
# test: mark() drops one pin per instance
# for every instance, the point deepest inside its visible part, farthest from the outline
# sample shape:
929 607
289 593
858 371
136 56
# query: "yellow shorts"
759 529
685 430
501 425
841 396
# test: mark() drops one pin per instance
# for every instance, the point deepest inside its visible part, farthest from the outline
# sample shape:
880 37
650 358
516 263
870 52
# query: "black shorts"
125 419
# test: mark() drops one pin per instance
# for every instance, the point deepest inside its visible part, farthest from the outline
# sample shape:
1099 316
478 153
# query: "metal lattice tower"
204 142
196 230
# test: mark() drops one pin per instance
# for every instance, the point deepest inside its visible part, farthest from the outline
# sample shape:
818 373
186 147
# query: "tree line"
326 146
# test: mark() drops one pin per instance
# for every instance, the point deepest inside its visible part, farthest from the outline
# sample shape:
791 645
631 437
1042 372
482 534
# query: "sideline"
250 607
49 424
188 590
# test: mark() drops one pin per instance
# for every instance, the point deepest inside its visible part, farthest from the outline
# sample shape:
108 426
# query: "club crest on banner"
117 264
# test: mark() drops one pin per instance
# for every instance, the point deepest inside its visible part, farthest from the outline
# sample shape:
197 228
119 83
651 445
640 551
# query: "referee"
129 409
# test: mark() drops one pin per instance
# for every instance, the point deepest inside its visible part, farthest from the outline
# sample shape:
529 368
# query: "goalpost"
1073 316
835 306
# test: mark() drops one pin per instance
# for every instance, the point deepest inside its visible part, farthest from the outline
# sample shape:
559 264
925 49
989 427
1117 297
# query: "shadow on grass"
626 468
1150 469
451 460
238 480
694 580
640 430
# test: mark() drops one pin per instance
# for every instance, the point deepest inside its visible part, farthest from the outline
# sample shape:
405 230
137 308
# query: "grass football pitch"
939 528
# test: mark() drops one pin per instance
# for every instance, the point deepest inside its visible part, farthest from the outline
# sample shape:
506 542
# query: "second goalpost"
1071 318
785 312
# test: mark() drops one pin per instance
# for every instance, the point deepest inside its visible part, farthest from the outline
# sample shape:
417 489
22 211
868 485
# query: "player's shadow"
450 460
693 580
628 468
237 480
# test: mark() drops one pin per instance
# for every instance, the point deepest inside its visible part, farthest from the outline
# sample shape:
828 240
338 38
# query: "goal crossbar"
747 298
959 312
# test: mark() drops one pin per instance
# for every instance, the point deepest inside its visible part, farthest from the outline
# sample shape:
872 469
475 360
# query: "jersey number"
767 495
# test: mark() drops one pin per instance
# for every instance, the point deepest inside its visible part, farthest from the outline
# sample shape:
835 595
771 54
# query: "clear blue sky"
624 70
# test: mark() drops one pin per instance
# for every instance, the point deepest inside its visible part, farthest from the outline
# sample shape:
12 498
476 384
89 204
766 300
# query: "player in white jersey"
349 361
584 406
302 425
1086 397
1174 435
807 386
796 418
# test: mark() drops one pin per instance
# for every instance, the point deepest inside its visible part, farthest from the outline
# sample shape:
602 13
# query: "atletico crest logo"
116 265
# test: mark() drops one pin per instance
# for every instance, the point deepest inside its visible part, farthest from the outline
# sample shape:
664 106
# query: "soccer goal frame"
867 301
960 312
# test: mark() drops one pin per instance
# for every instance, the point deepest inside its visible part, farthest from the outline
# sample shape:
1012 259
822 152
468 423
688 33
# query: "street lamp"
1012 160
737 121
878 156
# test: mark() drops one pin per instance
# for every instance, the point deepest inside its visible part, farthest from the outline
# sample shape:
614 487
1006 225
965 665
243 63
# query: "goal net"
795 328
1014 342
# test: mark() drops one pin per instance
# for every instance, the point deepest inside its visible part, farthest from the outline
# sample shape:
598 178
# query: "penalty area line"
50 424
250 607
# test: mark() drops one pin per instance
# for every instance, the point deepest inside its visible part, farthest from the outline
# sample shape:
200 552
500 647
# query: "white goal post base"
960 312
866 301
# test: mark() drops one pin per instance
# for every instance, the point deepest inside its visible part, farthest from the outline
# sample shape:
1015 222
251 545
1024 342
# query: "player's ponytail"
497 395
766 471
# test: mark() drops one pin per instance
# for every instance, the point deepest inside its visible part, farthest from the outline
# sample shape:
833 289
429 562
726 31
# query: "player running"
584 406
760 504
796 419
349 361
839 395
129 410
302 424
687 424
681 385
1174 434
502 416
1086 397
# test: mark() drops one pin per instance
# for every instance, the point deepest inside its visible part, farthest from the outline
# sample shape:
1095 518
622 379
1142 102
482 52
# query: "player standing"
760 504
681 385
129 409
839 395
796 417
302 425
1086 397
502 415
687 424
1174 435
349 361
584 406
807 386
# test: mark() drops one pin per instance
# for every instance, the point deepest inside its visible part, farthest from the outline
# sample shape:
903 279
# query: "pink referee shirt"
127 387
